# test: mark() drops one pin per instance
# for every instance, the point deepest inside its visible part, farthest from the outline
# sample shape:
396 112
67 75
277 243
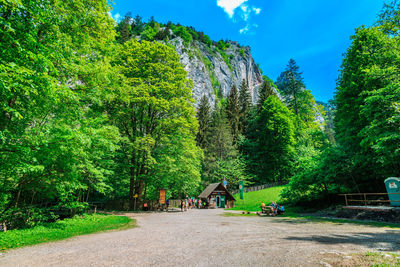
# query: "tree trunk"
17 199
132 185
87 196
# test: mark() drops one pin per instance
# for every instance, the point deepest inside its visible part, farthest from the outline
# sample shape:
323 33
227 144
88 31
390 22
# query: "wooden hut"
217 196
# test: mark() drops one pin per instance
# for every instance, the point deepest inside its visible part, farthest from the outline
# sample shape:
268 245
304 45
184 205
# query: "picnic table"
266 210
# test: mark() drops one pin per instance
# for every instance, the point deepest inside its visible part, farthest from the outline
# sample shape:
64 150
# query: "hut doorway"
218 201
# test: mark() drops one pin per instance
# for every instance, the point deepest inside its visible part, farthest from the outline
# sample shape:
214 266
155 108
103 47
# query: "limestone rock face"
214 72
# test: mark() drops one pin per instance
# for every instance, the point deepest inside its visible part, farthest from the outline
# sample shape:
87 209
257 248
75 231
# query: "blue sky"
315 33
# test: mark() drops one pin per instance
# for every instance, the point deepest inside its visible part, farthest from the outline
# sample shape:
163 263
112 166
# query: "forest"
94 110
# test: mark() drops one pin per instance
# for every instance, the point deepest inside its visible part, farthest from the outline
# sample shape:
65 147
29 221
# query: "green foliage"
220 156
245 106
367 98
204 118
149 33
241 52
206 39
366 121
266 90
193 32
153 109
299 100
183 32
270 142
253 200
232 170
226 59
210 69
55 144
321 177
124 29
67 228
233 112
223 45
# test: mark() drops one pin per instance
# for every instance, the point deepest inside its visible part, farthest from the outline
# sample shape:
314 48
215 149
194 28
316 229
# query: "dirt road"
205 238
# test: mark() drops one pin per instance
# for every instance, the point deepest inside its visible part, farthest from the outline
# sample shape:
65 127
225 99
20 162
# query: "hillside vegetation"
253 200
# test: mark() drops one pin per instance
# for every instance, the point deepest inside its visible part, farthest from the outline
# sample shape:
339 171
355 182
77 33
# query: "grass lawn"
252 200
365 259
78 225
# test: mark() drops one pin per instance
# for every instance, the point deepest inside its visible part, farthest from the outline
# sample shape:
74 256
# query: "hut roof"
212 187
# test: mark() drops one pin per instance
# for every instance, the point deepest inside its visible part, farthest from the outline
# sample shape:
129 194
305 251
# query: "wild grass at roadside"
79 225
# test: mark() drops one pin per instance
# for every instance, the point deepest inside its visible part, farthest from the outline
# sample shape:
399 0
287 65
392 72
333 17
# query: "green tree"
124 28
219 146
53 129
154 104
245 106
266 90
290 83
204 118
137 25
270 144
233 112
366 105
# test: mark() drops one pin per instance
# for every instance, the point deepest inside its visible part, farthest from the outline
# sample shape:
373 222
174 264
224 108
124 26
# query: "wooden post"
365 199
345 197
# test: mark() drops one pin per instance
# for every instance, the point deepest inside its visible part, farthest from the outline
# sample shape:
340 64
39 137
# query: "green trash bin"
393 186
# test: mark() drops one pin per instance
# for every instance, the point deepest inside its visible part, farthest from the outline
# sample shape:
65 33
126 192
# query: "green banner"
241 189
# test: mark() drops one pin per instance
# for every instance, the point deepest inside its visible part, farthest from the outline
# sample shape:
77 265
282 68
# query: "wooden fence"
259 187
368 198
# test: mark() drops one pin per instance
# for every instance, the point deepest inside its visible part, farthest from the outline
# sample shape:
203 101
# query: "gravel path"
205 238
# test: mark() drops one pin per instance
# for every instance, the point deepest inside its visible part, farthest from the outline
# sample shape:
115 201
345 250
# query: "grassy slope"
79 225
252 200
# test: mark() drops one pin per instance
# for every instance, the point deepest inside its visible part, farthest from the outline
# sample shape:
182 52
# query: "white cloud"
248 29
244 30
257 10
245 13
229 6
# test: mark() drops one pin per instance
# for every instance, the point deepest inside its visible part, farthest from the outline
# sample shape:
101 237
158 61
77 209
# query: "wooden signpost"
162 196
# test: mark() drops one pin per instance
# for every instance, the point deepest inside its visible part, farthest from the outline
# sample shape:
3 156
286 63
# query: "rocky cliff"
215 71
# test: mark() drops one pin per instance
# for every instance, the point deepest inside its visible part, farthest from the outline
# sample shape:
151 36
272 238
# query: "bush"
27 217
182 32
149 33
320 180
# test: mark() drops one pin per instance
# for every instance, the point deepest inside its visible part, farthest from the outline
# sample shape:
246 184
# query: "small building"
217 196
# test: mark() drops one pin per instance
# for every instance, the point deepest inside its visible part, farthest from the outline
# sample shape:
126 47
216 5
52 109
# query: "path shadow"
387 241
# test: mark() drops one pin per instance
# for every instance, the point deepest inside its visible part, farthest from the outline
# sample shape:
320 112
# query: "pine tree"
270 144
297 97
245 106
124 28
266 90
220 137
204 118
219 146
233 112
291 84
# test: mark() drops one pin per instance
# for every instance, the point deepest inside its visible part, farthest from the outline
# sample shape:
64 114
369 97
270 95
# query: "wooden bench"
266 210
